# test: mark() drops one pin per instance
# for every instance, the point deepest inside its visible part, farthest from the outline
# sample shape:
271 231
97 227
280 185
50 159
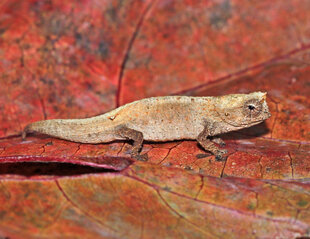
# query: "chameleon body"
163 119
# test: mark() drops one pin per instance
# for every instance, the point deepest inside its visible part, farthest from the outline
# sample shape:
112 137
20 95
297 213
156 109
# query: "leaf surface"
68 59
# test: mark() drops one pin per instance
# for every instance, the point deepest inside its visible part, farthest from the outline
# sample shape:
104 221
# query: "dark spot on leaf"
2 30
302 203
89 86
4 237
251 206
220 14
55 108
167 188
103 49
51 98
200 156
287 112
78 36
187 167
69 102
49 143
56 24
42 79
111 12
16 81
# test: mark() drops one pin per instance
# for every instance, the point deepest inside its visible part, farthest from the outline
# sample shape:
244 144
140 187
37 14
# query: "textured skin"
162 119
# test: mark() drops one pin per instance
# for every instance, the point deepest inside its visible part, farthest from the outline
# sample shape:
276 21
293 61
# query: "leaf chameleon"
165 118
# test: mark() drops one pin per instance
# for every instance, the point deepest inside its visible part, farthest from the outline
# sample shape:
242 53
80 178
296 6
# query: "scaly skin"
163 119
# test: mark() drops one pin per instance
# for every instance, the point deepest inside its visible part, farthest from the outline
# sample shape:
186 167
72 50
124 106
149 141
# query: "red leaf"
68 59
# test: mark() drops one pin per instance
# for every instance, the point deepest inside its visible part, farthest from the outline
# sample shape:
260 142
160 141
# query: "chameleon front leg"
208 145
137 138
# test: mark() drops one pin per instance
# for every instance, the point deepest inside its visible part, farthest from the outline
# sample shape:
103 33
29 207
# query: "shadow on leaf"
248 133
29 169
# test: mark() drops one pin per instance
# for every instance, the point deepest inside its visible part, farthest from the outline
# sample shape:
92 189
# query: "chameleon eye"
252 108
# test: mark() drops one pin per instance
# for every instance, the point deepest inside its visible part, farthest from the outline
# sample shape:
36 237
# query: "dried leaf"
69 59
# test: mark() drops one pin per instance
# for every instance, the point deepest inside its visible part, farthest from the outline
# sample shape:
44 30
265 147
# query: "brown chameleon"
165 118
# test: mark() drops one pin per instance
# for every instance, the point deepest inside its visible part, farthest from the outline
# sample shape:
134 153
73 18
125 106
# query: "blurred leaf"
68 59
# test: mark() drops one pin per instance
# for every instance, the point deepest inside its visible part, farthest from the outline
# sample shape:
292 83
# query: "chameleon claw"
218 141
140 157
219 156
222 144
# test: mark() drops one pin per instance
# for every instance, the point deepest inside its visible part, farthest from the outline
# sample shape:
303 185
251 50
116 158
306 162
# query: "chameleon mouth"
249 123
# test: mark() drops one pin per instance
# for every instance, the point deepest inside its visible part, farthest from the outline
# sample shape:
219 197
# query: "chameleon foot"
219 155
137 138
218 141
141 157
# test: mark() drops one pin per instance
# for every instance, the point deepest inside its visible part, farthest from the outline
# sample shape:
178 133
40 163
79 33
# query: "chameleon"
165 118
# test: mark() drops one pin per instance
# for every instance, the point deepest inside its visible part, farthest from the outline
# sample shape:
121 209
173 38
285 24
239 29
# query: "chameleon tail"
68 129
26 131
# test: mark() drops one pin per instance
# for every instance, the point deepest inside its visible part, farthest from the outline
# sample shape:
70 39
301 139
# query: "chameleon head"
242 110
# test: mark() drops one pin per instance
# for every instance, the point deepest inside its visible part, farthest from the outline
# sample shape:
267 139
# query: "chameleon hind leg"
137 137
